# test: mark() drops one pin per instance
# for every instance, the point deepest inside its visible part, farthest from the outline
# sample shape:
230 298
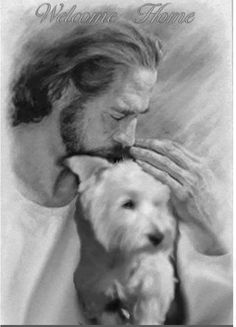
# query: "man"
83 95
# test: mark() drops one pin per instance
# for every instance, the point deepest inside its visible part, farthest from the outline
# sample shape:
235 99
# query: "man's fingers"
171 149
165 178
162 163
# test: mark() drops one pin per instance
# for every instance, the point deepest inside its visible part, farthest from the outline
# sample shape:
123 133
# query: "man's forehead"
135 85
142 79
139 80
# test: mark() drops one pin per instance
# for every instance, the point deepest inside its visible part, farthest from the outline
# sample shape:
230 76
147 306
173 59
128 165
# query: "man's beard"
71 126
74 136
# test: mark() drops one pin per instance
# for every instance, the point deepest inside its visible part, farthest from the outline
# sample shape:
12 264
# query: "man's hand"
190 181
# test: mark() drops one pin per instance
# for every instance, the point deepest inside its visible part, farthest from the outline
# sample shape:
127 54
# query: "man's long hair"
88 56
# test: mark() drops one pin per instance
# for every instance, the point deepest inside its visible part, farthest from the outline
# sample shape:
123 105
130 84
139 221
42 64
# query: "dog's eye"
128 204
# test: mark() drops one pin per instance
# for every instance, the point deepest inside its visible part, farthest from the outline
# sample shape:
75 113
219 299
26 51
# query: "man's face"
105 125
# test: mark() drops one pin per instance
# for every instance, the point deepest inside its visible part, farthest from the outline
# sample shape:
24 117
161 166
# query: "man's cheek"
110 125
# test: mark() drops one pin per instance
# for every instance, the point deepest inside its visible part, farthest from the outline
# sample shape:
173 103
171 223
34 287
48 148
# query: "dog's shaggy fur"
127 231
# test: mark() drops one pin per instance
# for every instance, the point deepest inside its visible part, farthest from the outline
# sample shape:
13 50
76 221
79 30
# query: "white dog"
125 275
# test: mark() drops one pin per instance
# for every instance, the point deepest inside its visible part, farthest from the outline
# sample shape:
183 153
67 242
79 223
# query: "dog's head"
127 208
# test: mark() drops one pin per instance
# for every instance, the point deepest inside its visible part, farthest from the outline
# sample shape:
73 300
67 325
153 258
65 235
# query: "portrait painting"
117 162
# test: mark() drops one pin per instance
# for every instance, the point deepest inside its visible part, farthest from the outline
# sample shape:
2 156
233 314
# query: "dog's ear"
85 166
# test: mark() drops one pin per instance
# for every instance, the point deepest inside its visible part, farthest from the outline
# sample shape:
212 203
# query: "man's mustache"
113 154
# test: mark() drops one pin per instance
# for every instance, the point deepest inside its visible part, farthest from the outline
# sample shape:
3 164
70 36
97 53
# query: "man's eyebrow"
130 111
145 110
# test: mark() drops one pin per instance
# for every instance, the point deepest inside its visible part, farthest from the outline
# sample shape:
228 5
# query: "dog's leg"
151 311
155 286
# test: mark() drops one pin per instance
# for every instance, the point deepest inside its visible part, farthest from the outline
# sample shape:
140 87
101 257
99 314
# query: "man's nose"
126 133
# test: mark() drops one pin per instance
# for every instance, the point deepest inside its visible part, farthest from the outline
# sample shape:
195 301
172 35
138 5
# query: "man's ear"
86 166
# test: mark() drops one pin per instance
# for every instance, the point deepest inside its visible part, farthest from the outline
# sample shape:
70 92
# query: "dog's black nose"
156 238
